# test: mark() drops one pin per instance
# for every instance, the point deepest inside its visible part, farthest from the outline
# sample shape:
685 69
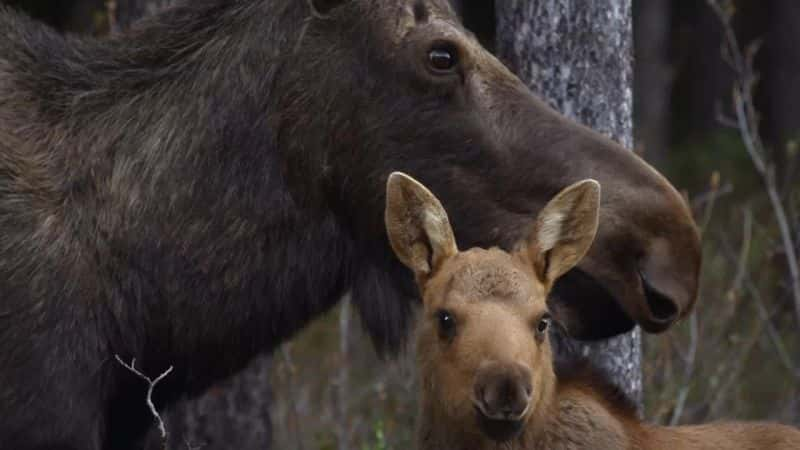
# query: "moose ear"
322 8
564 230
417 225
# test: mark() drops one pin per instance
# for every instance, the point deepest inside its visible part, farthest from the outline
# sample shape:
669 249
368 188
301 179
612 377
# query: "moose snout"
502 391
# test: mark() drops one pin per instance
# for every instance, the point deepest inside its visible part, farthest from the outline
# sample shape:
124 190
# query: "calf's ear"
417 226
564 231
322 8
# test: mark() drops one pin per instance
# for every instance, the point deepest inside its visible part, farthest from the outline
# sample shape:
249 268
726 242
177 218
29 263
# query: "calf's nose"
503 391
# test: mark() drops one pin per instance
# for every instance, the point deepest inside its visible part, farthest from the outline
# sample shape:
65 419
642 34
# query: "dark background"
737 357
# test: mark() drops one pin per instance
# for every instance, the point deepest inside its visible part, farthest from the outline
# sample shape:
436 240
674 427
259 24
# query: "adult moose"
485 363
194 191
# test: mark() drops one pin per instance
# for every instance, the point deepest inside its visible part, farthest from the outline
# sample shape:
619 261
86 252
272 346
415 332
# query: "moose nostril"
503 398
663 309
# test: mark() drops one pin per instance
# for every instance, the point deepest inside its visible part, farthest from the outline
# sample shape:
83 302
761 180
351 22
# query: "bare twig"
718 396
709 209
732 293
747 117
151 384
772 332
744 251
725 120
712 195
688 372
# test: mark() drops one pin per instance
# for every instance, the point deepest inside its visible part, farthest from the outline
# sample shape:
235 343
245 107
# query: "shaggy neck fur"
177 143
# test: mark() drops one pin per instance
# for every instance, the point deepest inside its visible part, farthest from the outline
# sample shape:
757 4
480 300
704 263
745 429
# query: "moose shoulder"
195 190
486 370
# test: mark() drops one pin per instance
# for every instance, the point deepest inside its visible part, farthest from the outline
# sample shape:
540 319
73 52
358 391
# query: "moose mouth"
499 430
586 309
592 312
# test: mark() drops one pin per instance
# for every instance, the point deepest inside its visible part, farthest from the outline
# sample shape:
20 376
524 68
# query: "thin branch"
151 384
688 372
709 209
744 252
772 332
718 396
725 120
748 127
712 195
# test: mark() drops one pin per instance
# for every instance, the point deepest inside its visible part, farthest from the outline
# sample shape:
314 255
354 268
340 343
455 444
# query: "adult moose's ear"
321 8
564 231
417 225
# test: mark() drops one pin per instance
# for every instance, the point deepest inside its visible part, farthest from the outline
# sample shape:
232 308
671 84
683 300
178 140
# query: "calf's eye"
543 324
447 324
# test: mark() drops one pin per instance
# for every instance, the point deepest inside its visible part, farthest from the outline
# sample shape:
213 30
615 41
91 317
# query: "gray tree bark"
577 54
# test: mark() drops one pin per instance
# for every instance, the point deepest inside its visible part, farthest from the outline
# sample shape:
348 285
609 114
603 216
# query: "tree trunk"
577 54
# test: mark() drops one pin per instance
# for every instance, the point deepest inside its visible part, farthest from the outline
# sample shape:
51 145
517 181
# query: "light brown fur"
495 301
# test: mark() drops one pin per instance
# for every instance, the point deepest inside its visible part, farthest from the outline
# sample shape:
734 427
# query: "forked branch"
151 384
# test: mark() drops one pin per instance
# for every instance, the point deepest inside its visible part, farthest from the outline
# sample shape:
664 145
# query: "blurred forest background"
724 128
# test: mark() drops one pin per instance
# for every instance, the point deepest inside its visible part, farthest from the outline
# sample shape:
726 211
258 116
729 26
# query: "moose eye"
544 324
447 324
442 58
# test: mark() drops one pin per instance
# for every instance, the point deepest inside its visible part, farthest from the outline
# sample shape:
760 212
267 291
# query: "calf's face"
482 344
400 85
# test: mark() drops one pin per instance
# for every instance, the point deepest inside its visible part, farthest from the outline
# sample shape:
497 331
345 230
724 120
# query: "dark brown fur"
194 191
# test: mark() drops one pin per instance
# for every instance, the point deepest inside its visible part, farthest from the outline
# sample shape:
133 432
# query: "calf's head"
482 342
386 85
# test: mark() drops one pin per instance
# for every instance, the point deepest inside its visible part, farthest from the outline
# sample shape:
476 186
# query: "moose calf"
486 367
